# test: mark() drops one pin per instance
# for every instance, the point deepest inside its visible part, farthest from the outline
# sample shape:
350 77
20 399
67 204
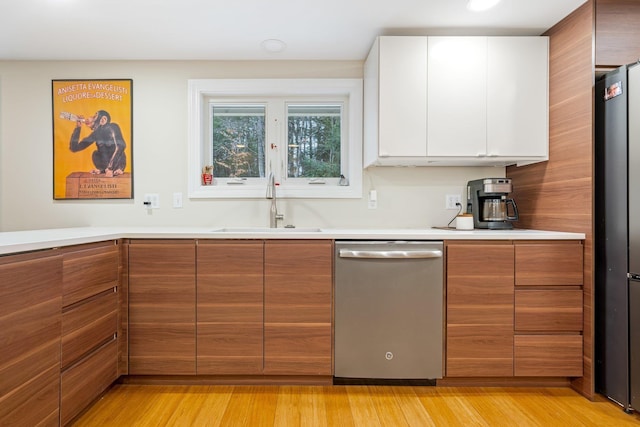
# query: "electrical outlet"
452 201
152 200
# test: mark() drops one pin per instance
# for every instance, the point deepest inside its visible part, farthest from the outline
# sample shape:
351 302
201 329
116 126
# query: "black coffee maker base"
495 225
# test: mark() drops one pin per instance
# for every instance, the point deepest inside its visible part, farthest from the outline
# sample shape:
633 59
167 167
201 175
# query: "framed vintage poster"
92 139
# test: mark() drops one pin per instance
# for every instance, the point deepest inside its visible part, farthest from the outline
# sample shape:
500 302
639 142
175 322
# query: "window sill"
352 191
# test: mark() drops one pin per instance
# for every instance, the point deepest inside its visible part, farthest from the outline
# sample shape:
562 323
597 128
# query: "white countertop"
23 241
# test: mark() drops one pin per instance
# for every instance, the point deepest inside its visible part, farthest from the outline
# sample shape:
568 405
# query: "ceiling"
235 29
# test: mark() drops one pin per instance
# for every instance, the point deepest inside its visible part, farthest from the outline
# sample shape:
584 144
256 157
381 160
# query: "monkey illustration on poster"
92 136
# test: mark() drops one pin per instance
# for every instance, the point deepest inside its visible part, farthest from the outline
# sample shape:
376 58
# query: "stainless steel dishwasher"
388 309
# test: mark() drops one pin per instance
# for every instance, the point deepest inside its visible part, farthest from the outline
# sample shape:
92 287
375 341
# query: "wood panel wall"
617 35
558 194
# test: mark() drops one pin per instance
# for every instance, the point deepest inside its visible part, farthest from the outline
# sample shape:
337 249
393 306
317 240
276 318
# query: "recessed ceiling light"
480 5
273 45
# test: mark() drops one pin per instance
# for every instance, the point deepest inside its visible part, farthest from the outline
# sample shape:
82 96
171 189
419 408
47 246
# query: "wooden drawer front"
548 355
85 381
87 326
479 351
89 272
549 310
297 349
562 264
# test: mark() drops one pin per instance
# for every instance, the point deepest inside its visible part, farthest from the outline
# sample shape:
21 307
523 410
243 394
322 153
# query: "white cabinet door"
395 83
403 94
457 96
517 101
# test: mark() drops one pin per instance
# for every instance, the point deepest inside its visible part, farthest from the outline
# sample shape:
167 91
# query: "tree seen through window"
238 138
313 141
314 137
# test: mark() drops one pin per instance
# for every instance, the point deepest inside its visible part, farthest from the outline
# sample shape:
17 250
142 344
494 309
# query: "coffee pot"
498 210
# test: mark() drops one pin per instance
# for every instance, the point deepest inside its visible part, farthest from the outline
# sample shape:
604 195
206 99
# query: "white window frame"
201 90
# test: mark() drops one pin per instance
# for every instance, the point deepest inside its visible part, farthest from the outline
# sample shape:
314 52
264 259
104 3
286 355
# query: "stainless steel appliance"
388 310
488 202
617 236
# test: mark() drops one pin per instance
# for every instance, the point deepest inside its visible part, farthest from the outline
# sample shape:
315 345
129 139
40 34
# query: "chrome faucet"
274 216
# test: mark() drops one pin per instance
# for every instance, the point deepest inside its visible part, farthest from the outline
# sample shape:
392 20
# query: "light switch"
177 200
373 199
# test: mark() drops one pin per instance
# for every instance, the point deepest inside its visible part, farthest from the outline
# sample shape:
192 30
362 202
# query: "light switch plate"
373 199
177 200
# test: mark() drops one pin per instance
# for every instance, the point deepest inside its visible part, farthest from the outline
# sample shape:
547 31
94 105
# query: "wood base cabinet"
89 356
230 307
162 307
298 307
479 310
264 307
30 322
548 309
514 309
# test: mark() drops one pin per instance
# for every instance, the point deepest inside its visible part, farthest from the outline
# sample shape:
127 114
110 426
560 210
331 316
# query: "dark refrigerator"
617 236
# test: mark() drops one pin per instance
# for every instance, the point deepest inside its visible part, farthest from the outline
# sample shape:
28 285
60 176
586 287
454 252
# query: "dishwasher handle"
396 254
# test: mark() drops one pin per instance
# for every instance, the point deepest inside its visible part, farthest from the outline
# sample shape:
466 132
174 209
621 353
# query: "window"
314 140
237 144
306 132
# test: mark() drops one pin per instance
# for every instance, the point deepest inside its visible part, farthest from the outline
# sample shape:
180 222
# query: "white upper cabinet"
518 97
395 109
457 96
456 101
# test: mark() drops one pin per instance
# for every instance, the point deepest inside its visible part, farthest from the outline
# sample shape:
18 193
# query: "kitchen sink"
265 230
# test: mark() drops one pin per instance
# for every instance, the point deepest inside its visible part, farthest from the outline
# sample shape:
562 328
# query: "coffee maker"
487 201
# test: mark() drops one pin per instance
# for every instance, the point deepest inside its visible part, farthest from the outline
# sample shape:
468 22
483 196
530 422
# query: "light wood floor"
153 405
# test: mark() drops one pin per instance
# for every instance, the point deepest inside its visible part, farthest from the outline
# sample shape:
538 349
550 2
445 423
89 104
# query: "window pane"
238 140
314 138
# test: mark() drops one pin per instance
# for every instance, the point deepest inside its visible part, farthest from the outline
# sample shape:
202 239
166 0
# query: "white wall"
407 197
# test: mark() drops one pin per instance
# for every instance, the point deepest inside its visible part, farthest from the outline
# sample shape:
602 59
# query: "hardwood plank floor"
344 406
